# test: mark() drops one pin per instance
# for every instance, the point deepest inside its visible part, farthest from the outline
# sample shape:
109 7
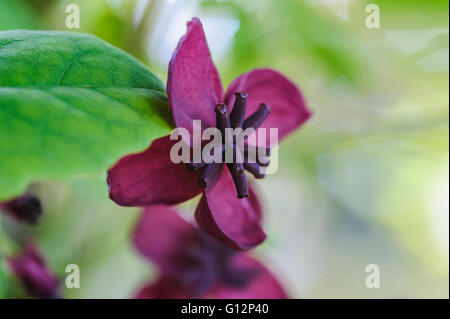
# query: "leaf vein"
68 67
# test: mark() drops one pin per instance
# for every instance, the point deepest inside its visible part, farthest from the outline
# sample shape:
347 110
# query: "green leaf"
71 104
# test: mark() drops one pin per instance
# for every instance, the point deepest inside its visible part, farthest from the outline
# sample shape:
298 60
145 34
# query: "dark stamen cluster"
205 261
241 154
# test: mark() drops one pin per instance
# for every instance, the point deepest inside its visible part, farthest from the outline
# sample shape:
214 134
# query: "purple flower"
32 271
195 93
194 265
26 208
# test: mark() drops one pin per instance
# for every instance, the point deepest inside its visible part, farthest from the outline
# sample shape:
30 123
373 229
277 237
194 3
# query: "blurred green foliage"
266 38
17 14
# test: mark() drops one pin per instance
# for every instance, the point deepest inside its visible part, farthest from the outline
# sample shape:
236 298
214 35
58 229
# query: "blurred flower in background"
364 182
31 270
26 208
194 265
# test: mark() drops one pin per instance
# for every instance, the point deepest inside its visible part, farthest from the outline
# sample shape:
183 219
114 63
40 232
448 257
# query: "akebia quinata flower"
26 208
192 264
229 209
32 271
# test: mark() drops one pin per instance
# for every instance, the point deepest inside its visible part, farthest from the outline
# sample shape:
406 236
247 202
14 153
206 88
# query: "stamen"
214 157
240 180
236 164
222 117
255 169
263 163
194 166
223 121
238 113
208 174
257 118
254 152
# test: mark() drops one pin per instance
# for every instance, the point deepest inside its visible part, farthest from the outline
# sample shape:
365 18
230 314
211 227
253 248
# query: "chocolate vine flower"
32 271
25 208
194 265
229 209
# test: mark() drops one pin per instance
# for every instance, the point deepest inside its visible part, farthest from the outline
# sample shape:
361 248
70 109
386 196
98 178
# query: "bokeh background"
365 181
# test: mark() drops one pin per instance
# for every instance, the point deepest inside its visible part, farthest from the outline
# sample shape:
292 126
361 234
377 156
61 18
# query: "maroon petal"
151 177
193 84
263 285
235 222
287 107
161 235
163 288
33 273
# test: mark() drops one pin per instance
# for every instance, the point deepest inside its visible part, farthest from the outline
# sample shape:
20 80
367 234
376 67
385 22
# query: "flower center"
207 263
244 157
